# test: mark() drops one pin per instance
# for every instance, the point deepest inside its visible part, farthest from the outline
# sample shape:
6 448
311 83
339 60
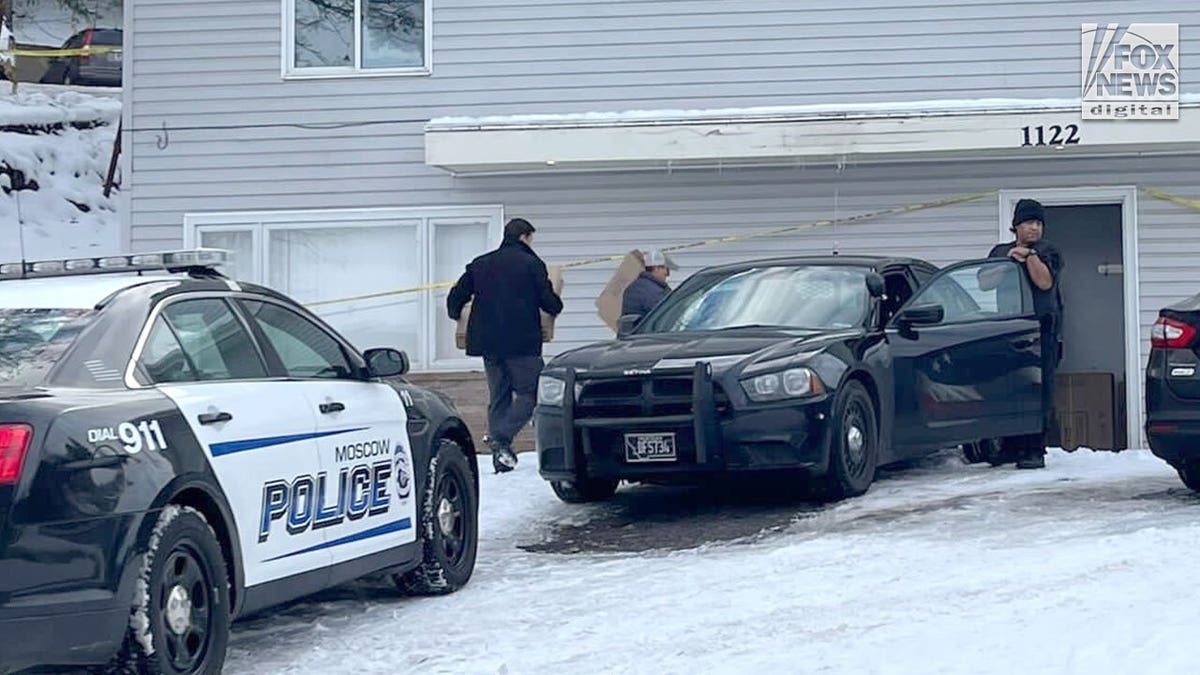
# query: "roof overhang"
664 139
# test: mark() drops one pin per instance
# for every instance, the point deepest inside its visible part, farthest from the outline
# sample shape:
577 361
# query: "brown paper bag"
556 282
610 300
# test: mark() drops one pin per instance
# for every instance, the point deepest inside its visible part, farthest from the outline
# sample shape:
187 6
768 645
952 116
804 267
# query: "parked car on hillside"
828 365
100 69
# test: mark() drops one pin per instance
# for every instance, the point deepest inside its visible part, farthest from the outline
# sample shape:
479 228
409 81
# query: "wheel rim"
184 608
451 517
856 441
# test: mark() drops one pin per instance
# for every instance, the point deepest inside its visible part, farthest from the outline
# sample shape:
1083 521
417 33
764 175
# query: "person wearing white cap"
650 286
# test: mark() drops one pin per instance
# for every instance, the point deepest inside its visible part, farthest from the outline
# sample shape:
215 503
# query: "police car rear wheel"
181 624
449 532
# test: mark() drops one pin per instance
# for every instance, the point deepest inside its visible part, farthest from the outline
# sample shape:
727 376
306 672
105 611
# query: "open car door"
967 356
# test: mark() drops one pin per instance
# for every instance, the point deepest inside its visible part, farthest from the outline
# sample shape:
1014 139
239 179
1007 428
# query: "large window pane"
454 245
324 33
347 261
393 33
241 244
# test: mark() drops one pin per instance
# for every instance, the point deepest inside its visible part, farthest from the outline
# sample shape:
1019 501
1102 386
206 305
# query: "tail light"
1171 334
14 444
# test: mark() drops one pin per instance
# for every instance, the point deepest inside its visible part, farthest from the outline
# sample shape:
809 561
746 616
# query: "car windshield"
798 297
33 340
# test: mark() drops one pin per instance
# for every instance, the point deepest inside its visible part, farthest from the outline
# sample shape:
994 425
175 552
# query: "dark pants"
512 384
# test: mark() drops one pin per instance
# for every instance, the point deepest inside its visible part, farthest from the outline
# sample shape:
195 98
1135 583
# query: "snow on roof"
820 110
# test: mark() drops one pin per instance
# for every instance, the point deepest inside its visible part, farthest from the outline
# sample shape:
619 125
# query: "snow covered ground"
1084 567
68 213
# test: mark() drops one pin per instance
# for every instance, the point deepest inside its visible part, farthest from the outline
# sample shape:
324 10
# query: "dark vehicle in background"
832 366
100 69
1173 389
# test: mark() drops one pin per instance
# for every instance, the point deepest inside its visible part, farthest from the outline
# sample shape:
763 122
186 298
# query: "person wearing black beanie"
1043 263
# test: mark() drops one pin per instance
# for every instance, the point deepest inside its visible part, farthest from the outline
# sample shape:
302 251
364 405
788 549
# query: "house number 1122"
1051 135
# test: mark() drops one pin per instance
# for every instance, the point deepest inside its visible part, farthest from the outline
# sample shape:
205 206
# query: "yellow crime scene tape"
1167 197
827 222
61 53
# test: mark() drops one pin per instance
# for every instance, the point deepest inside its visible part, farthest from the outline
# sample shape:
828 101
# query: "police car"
178 449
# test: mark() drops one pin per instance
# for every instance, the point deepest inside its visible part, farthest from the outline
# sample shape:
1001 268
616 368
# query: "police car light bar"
168 261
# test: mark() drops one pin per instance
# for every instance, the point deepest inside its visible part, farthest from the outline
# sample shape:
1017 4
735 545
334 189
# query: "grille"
647 396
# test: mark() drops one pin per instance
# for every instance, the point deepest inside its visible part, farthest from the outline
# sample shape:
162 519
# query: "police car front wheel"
449 525
180 621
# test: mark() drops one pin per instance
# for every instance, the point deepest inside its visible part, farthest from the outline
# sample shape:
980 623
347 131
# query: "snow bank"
67 212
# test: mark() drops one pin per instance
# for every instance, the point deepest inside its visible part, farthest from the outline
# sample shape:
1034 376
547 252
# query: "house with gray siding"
348 149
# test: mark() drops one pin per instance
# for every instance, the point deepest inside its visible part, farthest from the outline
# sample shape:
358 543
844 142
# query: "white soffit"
666 139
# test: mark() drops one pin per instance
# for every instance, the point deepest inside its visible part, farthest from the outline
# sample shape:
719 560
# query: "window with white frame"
346 37
347 266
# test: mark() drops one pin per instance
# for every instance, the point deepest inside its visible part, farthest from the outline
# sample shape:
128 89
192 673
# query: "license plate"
650 447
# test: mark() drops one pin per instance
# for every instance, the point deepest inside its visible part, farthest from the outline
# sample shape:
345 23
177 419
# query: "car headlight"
551 390
792 383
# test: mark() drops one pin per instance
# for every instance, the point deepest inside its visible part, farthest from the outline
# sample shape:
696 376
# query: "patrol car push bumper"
714 436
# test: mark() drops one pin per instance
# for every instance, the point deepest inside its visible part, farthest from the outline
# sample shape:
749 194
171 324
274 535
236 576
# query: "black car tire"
586 490
448 528
183 562
983 450
854 443
1189 473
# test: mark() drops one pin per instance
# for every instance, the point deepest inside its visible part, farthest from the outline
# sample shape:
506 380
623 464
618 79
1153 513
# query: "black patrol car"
830 366
178 449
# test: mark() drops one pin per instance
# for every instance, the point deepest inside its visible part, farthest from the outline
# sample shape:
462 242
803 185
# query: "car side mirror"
386 362
627 323
875 285
921 315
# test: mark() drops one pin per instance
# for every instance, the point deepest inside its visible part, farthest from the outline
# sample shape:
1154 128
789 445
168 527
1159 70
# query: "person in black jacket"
1042 263
650 287
507 288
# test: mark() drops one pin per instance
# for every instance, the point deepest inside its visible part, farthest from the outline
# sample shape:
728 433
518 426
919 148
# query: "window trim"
262 223
288 71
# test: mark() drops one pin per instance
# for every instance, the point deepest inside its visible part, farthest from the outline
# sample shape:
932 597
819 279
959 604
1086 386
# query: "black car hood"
724 349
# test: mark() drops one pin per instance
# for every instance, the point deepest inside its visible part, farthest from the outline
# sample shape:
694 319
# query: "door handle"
213 418
333 407
1025 343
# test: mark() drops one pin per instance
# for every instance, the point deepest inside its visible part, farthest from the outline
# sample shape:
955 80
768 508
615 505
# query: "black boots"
503 457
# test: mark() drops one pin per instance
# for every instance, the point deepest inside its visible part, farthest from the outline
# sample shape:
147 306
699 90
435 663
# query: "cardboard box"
1090 411
610 300
556 282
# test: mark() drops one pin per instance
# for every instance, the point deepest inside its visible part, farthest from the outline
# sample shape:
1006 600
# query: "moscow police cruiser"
178 449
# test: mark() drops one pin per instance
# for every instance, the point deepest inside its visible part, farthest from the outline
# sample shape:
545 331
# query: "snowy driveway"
1085 567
